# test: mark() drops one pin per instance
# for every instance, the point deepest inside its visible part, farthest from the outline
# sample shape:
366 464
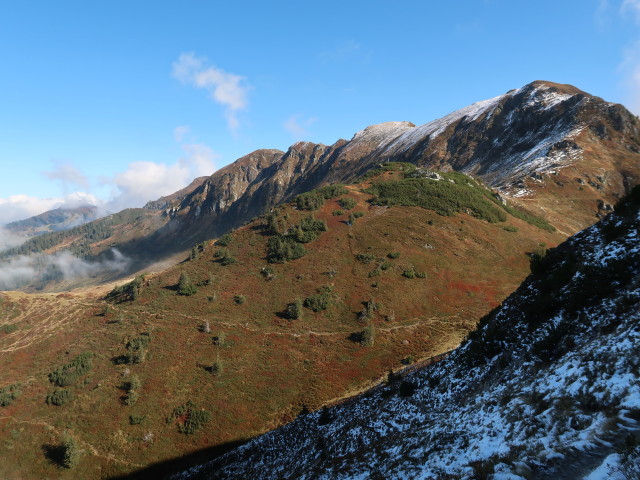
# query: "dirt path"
93 450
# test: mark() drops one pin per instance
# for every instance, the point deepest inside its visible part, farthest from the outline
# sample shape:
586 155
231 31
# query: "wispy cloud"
227 89
9 239
345 51
144 181
298 126
68 175
62 265
19 207
179 133
631 7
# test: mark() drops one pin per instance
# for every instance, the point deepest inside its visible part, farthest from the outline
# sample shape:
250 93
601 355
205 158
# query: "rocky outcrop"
508 142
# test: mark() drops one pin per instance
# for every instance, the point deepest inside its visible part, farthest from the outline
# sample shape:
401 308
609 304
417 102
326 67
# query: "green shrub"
310 224
337 213
70 452
385 266
9 393
281 248
405 167
374 273
510 228
319 301
294 310
347 203
127 292
191 418
70 373
216 367
137 349
225 240
268 273
185 287
59 397
136 419
444 197
358 214
131 397
409 273
367 336
315 199
239 299
421 275
393 255
9 328
365 257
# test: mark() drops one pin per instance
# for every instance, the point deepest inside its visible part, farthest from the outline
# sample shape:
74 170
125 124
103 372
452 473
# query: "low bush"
190 418
9 328
409 273
294 310
70 452
225 240
185 287
127 292
347 203
393 255
216 367
281 248
137 349
365 257
136 419
315 199
239 299
319 301
70 373
59 397
337 213
9 393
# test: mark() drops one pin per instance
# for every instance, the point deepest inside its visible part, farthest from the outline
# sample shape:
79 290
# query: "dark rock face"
524 133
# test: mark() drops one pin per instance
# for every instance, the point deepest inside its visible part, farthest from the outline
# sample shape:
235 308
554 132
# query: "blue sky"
121 102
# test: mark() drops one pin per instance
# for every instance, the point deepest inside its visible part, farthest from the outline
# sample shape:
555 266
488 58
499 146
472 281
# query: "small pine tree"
185 287
70 452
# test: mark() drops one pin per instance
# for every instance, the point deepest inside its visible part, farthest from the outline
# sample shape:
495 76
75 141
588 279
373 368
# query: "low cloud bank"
9 239
41 268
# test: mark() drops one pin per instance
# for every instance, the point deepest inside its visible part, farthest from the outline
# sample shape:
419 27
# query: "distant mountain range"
53 221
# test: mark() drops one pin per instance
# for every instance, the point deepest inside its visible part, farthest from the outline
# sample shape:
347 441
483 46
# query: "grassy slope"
271 366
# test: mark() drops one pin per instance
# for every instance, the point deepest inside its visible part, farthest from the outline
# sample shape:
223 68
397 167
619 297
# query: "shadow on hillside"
163 470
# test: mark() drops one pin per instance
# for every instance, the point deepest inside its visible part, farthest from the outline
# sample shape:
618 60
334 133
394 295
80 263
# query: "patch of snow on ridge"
381 133
436 127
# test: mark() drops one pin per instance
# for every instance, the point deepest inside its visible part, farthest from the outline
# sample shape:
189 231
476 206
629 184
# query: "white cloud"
19 207
179 133
145 181
61 265
631 7
298 126
227 89
9 239
68 175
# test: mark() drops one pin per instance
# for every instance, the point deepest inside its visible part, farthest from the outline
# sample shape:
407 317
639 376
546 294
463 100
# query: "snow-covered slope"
547 387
